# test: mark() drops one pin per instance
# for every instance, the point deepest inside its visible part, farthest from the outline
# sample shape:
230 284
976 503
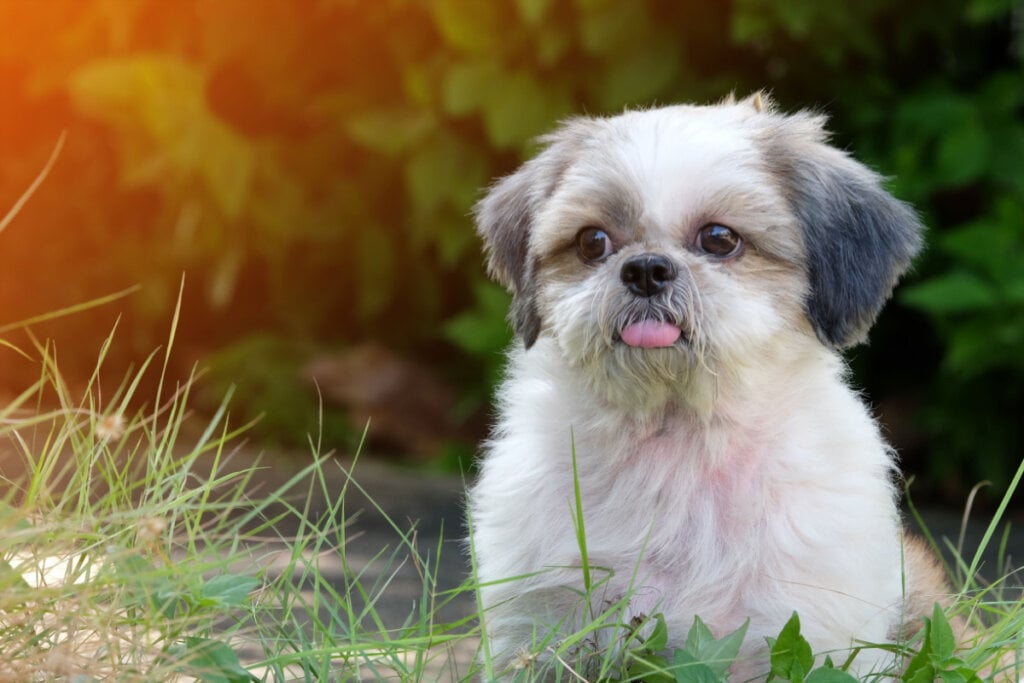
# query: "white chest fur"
786 508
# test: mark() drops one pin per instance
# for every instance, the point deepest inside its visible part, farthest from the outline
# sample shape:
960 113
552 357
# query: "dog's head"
659 242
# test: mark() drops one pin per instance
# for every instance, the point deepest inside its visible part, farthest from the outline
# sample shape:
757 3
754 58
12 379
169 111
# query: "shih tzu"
683 281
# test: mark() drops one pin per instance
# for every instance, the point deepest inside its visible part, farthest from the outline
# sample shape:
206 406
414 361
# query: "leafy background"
310 166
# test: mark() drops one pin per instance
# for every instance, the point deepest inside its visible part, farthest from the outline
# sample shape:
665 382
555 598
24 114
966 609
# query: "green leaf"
533 11
748 25
390 131
992 244
649 668
988 10
158 105
228 590
642 74
146 585
955 292
467 86
920 669
718 654
952 676
445 171
941 635
210 661
925 673
658 640
963 152
608 27
688 669
980 344
551 43
791 655
521 109
482 330
474 27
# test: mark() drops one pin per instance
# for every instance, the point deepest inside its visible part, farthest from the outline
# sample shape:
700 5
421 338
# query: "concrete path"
394 504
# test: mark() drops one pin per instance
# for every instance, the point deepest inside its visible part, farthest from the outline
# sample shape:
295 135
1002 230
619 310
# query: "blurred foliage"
312 165
261 371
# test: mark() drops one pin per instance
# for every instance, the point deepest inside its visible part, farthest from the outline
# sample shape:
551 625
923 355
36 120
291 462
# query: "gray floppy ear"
505 218
859 239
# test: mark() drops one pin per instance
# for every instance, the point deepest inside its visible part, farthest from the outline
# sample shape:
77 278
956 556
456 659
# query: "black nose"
647 274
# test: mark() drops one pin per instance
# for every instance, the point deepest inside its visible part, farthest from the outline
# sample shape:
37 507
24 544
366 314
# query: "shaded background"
310 166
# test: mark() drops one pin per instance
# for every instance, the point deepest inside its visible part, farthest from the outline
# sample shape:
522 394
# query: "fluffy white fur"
733 475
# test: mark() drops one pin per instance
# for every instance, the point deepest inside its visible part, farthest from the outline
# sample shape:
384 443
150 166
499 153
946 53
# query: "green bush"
313 165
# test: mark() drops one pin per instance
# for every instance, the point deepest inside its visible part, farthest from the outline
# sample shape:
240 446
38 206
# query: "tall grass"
136 544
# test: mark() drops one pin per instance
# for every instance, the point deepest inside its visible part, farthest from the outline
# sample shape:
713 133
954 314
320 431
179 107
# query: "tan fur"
926 585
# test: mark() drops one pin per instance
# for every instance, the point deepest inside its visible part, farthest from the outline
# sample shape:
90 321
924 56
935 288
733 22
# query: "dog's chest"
677 491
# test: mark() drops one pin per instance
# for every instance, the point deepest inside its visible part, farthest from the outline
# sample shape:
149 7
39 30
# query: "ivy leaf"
717 654
688 669
791 655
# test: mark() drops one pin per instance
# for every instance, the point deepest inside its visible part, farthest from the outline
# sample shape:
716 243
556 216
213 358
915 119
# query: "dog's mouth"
650 334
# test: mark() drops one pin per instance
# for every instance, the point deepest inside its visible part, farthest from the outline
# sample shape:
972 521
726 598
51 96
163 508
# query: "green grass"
136 545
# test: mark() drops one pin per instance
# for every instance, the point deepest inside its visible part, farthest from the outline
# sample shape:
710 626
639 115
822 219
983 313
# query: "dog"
683 282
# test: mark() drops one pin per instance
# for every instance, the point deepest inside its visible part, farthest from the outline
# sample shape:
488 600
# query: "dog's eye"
718 240
593 244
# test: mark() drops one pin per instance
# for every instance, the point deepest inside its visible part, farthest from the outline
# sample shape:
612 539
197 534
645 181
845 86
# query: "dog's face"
663 246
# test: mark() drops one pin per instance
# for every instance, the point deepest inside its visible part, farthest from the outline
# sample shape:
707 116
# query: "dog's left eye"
593 244
718 240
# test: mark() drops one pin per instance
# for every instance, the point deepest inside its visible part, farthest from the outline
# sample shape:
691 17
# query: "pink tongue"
650 334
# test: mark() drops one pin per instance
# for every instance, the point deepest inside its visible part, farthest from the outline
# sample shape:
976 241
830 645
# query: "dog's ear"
859 239
505 218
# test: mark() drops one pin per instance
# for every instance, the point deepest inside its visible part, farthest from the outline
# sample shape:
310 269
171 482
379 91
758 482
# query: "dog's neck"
709 398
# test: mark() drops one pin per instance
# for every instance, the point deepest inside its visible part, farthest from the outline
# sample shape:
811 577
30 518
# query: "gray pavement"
392 500
394 507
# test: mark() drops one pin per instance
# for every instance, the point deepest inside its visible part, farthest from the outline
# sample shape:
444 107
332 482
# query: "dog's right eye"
593 244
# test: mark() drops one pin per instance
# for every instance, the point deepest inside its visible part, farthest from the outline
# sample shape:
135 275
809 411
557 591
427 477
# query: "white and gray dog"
683 280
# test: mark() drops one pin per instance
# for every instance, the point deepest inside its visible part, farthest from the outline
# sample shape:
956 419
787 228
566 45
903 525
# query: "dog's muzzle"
647 275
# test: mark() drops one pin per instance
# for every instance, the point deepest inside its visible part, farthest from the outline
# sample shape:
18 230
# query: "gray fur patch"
505 218
859 239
